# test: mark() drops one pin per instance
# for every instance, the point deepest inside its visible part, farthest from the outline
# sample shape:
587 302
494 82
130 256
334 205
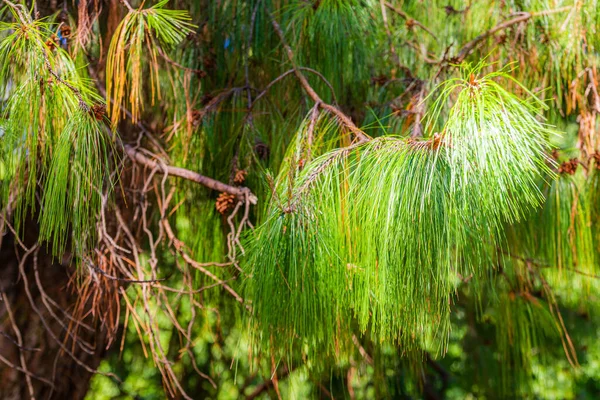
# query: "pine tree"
299 199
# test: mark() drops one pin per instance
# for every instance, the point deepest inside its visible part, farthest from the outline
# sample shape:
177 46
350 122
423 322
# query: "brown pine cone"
569 167
52 42
240 176
65 31
224 202
99 110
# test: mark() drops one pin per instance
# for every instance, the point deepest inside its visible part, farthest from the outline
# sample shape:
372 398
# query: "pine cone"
569 167
65 31
240 176
99 110
224 202
52 42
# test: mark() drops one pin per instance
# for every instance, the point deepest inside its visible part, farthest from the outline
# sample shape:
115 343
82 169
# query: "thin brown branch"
311 129
580 272
362 350
45 323
17 368
210 183
201 73
19 344
344 119
410 21
179 247
115 278
523 17
126 4
289 72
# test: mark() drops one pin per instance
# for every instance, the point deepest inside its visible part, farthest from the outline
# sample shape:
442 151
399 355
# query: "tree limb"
210 183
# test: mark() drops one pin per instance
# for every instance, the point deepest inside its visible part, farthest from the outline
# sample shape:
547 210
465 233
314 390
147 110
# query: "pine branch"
239 192
410 21
345 120
127 5
472 45
289 72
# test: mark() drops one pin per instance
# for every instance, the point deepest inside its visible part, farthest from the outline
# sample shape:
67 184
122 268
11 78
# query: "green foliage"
51 137
73 196
378 233
478 241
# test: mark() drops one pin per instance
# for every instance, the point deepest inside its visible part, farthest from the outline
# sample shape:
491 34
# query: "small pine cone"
99 110
224 202
52 42
240 176
65 31
569 167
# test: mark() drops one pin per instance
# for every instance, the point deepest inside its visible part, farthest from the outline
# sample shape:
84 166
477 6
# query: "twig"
45 323
577 271
17 368
114 278
19 343
344 119
289 72
472 45
311 129
179 247
16 343
362 350
409 20
168 59
126 4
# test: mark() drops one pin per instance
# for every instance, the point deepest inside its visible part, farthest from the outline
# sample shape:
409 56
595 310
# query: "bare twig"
19 344
168 59
126 4
344 119
45 323
179 247
410 21
266 385
472 45
311 129
115 278
292 71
